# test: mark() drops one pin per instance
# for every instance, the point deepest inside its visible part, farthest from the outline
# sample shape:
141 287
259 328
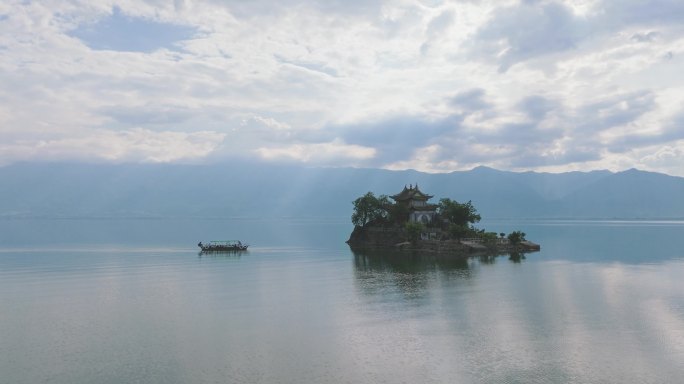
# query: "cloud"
663 157
470 100
248 9
640 13
669 133
526 30
533 85
616 110
396 138
436 28
319 153
532 29
311 66
646 37
148 114
537 107
136 145
534 132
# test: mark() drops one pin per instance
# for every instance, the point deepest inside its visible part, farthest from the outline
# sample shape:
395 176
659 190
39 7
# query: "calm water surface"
127 301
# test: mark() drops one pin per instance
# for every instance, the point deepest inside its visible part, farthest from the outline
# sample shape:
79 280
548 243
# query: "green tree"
516 237
370 209
459 231
413 230
489 238
398 213
457 213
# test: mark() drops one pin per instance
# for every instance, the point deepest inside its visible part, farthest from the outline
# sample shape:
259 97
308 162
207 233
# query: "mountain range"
243 189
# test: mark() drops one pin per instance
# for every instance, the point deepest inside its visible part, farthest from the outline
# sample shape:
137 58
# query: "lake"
132 301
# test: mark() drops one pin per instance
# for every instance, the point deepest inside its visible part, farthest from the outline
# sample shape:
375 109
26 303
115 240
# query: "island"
412 223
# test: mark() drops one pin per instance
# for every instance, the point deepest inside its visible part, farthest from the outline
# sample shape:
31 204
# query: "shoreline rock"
394 239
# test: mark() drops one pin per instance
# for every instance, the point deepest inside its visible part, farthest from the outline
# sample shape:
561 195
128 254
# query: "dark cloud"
470 101
614 111
537 107
397 138
623 13
523 134
461 149
536 142
440 23
645 37
534 28
147 115
529 30
522 152
514 145
533 157
533 142
436 28
673 131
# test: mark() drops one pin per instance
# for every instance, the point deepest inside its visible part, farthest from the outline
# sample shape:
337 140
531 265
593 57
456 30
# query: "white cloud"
268 122
325 153
136 145
667 158
518 85
424 160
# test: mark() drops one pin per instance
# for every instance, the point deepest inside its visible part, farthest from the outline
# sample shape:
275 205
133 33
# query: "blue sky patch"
119 32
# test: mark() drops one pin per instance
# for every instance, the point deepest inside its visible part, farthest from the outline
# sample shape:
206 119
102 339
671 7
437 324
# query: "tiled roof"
411 193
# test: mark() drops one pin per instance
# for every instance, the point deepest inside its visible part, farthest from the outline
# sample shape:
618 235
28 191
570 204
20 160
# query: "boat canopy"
225 242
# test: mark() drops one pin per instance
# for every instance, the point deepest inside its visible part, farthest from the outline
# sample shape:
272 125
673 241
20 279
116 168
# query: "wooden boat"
223 246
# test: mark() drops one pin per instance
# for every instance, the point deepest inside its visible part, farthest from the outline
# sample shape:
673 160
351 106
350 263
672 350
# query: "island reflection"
382 272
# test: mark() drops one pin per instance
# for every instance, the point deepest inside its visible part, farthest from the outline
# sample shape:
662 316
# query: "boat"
223 246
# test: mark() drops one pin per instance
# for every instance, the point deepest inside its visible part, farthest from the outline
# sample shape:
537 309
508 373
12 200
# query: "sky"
436 86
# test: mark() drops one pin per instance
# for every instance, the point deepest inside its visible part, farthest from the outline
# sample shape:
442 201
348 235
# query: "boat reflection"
221 254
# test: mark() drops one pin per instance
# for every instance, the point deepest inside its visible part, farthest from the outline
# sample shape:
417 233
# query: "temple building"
417 203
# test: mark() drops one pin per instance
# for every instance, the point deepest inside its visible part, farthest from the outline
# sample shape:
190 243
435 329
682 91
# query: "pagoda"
420 211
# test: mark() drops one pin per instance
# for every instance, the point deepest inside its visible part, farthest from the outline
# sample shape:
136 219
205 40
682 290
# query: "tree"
368 209
398 213
458 214
488 238
516 237
459 231
413 231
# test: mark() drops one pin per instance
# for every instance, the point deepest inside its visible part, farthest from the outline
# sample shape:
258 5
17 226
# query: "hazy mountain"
257 190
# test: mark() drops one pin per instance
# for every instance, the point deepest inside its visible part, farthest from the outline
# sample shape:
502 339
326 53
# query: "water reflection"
599 304
632 242
516 257
374 260
519 318
405 262
392 275
221 255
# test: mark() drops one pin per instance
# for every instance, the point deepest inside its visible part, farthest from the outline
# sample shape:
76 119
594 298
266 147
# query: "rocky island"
412 223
